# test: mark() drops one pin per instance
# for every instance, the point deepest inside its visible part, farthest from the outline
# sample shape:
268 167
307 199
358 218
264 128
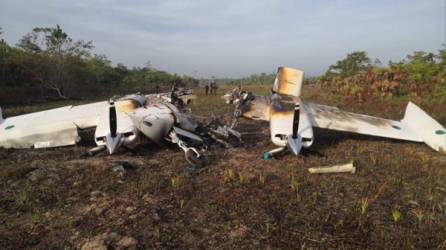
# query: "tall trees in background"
48 63
57 54
351 64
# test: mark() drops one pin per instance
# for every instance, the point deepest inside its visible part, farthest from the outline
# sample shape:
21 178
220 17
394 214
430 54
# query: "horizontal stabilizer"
427 129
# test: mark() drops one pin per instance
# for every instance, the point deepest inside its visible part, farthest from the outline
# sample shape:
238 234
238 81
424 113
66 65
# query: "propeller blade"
294 142
112 119
296 119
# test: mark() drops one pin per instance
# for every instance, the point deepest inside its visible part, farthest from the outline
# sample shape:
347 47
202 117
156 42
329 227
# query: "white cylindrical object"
276 151
341 168
269 154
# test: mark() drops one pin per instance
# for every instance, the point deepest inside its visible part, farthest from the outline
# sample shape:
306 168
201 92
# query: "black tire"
193 158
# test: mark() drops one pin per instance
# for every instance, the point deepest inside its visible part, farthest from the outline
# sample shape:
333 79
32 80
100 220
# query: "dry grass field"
54 199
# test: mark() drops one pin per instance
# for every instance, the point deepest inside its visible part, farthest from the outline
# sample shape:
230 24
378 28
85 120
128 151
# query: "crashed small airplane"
125 122
291 119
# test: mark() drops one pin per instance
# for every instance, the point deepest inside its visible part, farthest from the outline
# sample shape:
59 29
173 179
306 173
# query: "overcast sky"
227 38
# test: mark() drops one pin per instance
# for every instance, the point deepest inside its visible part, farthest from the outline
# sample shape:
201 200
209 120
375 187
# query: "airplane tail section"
288 81
426 128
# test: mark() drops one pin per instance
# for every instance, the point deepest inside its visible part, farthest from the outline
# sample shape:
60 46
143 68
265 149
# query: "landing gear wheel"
193 158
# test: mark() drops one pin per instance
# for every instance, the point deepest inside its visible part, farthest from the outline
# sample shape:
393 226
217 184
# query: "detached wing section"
416 126
50 128
332 118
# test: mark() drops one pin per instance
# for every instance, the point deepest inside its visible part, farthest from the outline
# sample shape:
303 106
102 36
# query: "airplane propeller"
296 121
113 139
112 119
295 141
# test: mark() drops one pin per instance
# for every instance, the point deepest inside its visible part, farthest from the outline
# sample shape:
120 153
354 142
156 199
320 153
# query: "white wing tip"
428 130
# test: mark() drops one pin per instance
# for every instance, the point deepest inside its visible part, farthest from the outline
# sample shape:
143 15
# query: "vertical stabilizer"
288 81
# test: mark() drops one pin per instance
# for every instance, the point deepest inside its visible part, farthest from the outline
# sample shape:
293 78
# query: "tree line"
47 63
421 74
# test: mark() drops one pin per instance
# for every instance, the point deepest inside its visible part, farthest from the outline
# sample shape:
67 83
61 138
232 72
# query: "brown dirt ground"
54 199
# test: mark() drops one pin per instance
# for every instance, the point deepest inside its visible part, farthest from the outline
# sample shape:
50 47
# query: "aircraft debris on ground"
134 120
292 120
121 123
340 168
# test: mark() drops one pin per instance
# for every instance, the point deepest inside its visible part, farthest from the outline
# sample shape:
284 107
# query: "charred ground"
53 198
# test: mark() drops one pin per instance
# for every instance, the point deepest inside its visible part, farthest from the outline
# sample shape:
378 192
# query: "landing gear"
192 155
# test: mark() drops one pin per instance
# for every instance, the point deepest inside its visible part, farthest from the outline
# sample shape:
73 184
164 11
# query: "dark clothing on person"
213 87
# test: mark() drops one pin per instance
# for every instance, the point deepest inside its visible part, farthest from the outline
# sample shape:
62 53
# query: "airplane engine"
154 122
114 128
286 123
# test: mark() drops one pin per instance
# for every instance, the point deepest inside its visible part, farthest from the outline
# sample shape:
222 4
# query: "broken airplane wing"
292 119
50 128
416 125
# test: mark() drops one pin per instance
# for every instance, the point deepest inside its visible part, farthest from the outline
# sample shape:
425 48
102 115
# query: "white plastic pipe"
269 154
340 168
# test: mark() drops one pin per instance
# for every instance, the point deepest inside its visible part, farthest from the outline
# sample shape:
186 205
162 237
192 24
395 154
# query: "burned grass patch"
396 199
